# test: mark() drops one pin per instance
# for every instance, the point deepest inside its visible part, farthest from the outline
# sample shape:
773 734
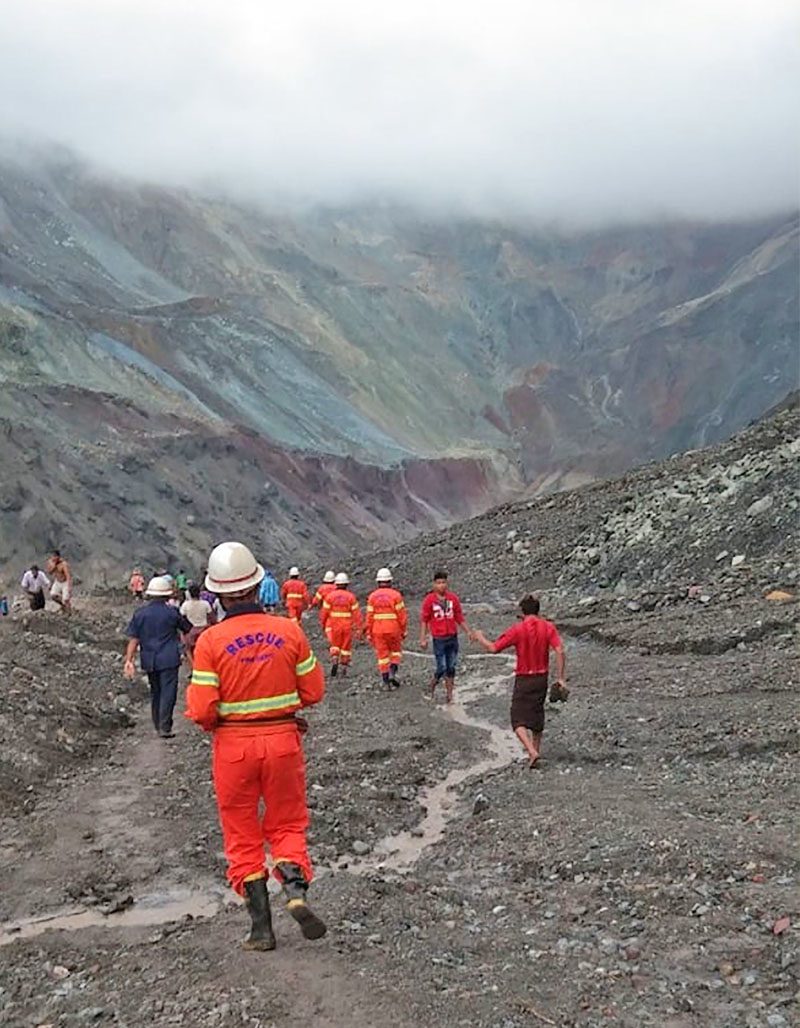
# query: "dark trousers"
445 650
163 695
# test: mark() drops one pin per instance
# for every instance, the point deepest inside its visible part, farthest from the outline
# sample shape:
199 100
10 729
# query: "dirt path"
653 846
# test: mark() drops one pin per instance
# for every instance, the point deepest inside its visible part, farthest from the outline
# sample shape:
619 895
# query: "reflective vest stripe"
205 678
386 617
295 596
305 666
341 614
289 699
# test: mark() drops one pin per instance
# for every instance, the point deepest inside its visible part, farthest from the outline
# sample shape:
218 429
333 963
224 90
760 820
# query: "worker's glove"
302 724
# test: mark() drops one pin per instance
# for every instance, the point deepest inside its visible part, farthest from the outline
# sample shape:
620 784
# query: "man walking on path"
200 613
136 584
34 582
268 593
294 593
387 621
341 619
533 638
61 591
253 673
442 615
326 586
155 630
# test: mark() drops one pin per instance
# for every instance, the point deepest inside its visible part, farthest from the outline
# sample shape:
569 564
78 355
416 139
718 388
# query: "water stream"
398 852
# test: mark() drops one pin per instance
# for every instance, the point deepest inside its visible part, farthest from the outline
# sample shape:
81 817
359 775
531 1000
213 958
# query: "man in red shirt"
441 614
533 638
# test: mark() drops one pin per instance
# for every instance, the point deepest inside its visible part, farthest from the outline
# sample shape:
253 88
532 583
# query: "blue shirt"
268 595
157 625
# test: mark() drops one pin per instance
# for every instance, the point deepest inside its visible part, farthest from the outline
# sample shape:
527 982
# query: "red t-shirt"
533 638
442 614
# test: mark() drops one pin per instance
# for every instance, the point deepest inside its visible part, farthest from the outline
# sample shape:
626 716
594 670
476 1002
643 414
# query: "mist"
576 110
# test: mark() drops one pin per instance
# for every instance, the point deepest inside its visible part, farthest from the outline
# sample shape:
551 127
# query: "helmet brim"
239 585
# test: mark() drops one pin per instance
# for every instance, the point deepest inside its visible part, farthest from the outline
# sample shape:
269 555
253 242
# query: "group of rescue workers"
253 672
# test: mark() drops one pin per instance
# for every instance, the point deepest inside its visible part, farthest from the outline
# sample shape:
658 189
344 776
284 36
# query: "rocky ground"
646 876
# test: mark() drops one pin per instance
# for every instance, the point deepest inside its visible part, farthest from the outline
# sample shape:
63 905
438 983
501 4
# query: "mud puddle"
152 909
401 851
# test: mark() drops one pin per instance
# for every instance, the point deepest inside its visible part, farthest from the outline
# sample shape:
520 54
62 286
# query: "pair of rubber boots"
256 897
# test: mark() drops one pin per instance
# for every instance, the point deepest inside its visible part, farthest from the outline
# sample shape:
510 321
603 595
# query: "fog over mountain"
572 111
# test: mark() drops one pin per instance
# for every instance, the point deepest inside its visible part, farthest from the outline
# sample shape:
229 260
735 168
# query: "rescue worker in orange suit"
387 621
252 673
294 593
341 620
327 585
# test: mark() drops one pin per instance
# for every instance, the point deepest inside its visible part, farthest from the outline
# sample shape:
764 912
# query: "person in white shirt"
34 582
201 614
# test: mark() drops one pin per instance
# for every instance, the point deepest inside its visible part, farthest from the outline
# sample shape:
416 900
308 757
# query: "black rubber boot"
295 888
334 670
256 897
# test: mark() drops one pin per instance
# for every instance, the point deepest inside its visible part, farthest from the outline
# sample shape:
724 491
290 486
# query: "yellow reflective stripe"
354 606
288 699
205 678
341 614
294 596
400 606
370 608
386 617
305 666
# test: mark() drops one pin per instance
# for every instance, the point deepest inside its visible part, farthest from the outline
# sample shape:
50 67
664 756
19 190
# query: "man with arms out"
294 593
532 638
155 630
442 615
253 673
387 621
34 582
341 618
61 591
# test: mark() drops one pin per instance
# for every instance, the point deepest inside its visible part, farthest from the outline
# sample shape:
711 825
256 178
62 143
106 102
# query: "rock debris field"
646 875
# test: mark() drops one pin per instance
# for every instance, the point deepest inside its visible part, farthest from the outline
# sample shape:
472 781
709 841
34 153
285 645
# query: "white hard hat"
342 579
329 577
384 575
232 568
161 585
294 572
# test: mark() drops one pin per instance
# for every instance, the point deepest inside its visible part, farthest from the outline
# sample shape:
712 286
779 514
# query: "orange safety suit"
294 593
387 620
341 617
251 673
319 597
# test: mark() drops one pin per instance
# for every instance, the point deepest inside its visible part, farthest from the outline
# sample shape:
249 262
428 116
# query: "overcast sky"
577 109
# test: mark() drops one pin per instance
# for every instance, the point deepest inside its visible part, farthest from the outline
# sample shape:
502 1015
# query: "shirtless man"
61 591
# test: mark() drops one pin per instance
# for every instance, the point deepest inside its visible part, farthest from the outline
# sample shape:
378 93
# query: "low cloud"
582 110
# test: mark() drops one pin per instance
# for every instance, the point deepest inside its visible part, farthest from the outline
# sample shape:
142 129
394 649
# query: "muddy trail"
643 876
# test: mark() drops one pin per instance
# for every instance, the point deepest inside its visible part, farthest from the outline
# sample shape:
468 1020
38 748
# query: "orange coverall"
319 597
294 593
387 620
341 616
252 672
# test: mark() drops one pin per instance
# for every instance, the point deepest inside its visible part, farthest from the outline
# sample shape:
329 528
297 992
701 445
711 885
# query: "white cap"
161 585
294 572
384 575
329 577
232 568
342 579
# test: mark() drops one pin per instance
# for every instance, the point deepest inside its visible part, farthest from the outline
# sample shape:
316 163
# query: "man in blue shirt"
268 593
154 630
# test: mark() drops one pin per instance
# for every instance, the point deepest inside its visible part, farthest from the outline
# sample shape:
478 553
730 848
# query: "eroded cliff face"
163 355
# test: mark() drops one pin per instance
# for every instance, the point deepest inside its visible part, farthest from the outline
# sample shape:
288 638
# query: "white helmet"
342 579
384 575
329 577
161 585
294 572
232 568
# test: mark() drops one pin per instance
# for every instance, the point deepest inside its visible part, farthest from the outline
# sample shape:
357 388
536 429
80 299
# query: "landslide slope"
301 378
